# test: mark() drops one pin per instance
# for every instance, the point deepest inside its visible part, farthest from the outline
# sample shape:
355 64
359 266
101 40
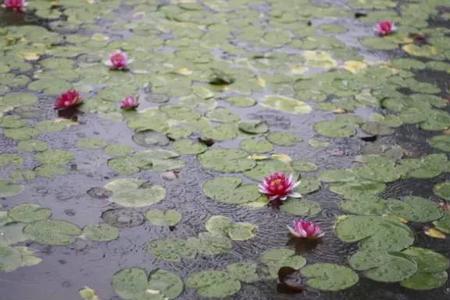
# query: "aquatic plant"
384 27
278 186
70 98
305 229
129 103
118 60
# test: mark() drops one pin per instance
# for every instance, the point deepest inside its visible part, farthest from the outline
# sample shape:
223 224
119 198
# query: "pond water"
162 202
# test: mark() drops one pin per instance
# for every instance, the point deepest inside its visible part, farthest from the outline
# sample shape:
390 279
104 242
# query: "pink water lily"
129 103
384 27
305 229
68 99
118 60
15 5
278 186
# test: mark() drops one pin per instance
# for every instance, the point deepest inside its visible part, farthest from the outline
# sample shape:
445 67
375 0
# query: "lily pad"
266 167
8 189
28 213
301 207
415 209
130 283
52 232
442 190
172 249
283 139
213 284
441 142
135 193
243 271
443 224
226 160
12 258
101 232
167 283
91 143
276 258
425 281
254 145
329 277
337 128
189 147
163 218
253 126
230 190
286 104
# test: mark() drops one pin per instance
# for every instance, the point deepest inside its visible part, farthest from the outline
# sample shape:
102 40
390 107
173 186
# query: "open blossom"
305 229
278 186
118 60
68 99
16 5
385 27
129 103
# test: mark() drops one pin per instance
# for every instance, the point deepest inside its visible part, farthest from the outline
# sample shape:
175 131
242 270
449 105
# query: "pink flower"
118 60
278 186
68 99
15 5
129 103
385 27
305 230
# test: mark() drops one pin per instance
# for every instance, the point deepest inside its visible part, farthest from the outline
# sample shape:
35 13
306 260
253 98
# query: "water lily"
278 186
129 103
15 5
68 99
385 27
118 60
305 230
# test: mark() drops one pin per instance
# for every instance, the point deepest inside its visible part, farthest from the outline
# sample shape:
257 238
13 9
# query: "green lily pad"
12 258
91 143
10 159
329 277
28 213
415 209
172 249
150 138
224 226
8 189
286 104
163 218
441 142
427 260
211 244
12 233
224 115
425 281
213 284
443 224
118 150
135 193
303 166
316 143
374 233
255 145
300 207
442 190
383 266
253 126
168 283
241 101
337 128
101 232
277 258
266 167
243 271
130 283
226 160
189 147
52 232
285 139
32 146
230 190
54 157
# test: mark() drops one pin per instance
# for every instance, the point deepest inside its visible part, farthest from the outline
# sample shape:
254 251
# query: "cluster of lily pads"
196 65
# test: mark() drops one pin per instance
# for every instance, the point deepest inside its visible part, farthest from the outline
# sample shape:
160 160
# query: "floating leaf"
254 145
88 294
28 213
425 280
230 190
243 271
213 284
300 207
441 142
52 232
135 193
226 160
435 233
163 218
12 258
443 224
130 283
8 189
189 147
283 138
442 190
329 277
415 209
281 257
91 143
286 104
168 283
253 126
101 232
267 167
172 249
